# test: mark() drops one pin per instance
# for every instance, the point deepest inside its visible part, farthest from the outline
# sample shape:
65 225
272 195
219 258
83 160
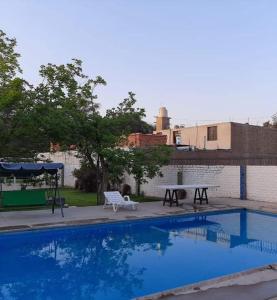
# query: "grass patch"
144 199
76 198
79 198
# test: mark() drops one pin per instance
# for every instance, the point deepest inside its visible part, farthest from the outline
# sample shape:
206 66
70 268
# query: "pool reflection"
122 261
75 265
238 232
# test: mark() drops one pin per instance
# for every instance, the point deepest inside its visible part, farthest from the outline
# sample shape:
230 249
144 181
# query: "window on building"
212 133
177 138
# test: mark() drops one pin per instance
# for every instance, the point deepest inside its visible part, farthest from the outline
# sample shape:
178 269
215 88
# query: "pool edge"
87 222
204 285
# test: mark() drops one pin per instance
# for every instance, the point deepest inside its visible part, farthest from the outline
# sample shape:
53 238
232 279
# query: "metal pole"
55 194
1 188
59 197
97 181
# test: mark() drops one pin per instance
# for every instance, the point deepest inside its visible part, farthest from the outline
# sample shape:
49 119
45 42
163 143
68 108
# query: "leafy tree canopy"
9 65
63 109
18 139
146 163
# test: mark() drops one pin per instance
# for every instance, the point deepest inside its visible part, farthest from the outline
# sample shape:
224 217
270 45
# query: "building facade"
241 139
204 137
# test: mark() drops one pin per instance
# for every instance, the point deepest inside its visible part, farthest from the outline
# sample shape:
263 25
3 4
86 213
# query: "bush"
126 190
182 194
86 179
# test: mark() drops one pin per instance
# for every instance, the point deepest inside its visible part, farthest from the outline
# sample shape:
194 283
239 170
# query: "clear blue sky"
213 60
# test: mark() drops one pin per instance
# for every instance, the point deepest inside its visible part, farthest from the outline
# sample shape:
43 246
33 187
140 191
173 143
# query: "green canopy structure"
30 170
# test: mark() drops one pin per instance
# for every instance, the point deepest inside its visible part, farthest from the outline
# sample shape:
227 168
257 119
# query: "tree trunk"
98 180
104 179
138 187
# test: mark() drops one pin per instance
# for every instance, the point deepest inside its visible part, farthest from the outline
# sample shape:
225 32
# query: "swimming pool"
133 258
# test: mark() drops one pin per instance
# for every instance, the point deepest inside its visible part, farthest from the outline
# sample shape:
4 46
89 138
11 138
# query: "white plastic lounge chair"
116 200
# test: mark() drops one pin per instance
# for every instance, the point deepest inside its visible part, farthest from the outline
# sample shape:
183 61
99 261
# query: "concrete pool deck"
29 219
257 284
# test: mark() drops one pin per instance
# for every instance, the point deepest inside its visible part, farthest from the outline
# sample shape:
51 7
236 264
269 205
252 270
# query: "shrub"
182 194
126 189
86 179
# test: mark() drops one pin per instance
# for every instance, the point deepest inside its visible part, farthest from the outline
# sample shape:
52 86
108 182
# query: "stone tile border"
78 222
206 284
191 210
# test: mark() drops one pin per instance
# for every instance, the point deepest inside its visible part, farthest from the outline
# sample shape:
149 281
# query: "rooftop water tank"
163 112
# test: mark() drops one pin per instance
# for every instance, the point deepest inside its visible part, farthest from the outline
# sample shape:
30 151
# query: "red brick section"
57 147
146 140
134 140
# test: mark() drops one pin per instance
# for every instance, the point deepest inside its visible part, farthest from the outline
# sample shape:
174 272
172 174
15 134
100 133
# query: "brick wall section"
222 157
150 188
262 183
225 176
261 180
255 140
146 140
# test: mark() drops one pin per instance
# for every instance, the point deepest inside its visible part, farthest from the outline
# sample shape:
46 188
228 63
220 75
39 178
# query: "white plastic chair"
116 200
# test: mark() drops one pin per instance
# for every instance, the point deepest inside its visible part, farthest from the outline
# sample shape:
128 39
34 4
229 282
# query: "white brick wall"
262 183
150 188
261 180
70 161
227 177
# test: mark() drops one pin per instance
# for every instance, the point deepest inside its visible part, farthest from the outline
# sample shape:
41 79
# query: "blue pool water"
129 259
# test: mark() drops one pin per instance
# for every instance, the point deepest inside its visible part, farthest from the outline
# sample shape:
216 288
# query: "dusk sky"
205 60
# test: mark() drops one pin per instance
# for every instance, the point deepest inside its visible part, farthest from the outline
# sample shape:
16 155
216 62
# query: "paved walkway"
95 214
260 291
81 215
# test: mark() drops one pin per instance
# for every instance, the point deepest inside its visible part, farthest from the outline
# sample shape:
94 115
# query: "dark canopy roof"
29 169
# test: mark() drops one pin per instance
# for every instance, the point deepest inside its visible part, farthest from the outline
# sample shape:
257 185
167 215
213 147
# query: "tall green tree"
65 101
102 139
66 111
146 163
63 109
18 135
9 64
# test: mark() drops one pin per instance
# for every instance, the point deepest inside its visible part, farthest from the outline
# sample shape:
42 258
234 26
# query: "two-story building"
239 138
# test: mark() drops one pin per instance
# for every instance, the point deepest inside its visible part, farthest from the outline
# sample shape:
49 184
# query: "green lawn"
76 198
